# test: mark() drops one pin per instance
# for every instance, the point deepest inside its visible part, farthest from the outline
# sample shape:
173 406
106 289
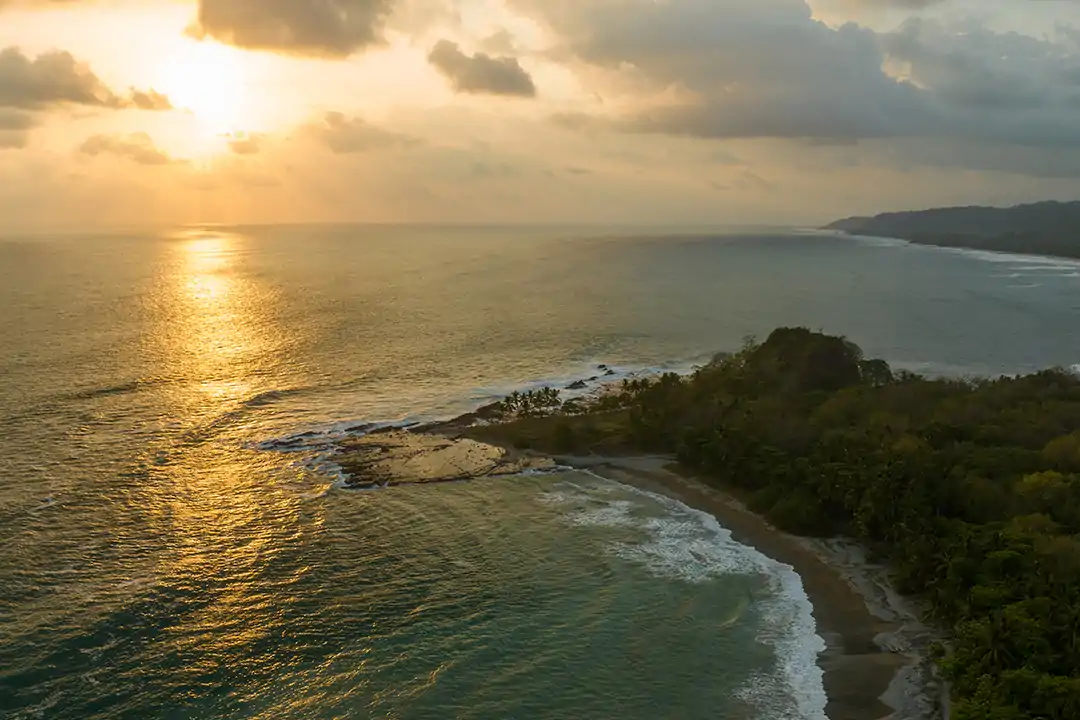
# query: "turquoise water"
155 561
530 597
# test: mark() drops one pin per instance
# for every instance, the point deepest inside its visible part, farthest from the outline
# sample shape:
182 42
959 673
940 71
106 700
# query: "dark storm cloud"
343 135
481 73
57 78
768 69
329 28
138 148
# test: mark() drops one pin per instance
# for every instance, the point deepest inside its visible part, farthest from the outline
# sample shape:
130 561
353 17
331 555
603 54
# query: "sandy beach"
876 665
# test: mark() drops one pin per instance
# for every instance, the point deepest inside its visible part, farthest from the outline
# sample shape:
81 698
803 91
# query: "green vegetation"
970 488
534 403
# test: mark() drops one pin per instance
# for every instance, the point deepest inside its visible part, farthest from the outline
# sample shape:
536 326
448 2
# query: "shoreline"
1017 254
876 664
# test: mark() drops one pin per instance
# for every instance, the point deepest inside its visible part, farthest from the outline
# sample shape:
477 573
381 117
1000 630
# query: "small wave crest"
97 392
690 545
1016 260
878 241
1051 267
271 396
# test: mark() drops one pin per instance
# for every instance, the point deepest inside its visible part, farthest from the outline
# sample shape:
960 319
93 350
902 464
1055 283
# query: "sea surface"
161 556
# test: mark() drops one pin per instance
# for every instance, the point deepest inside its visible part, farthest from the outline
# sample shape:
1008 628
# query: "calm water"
156 563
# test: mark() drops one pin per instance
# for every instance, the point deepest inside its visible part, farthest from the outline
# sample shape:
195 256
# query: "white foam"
45 503
533 472
878 241
994 256
592 372
1043 267
317 446
1021 261
692 546
610 514
329 434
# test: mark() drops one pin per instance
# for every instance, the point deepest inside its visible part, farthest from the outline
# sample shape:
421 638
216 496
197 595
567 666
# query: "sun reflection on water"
220 338
231 525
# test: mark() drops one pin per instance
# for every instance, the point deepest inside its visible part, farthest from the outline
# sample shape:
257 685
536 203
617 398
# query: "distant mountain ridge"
1043 228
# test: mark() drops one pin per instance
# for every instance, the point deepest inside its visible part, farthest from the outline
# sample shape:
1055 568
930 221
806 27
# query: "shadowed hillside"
1046 228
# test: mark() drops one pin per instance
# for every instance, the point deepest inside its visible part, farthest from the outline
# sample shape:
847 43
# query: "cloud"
16 120
898 4
480 170
751 181
1007 87
14 3
146 100
768 69
343 135
500 42
51 78
321 28
481 73
722 157
56 78
137 147
12 140
736 68
15 126
245 144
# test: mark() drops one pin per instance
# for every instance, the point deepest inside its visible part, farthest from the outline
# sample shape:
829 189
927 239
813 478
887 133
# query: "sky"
164 112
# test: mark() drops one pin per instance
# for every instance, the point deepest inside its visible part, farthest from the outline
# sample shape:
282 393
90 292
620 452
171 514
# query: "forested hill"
1045 228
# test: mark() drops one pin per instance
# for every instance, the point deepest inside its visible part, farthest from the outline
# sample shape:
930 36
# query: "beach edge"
877 664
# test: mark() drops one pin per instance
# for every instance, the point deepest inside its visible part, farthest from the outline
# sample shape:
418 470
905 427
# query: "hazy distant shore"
966 244
1044 229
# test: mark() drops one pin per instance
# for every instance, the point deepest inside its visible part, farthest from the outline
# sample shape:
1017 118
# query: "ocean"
175 544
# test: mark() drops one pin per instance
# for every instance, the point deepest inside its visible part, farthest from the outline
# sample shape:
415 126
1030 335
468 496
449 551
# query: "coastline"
1018 254
876 664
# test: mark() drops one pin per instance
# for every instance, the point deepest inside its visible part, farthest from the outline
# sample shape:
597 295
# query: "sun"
210 81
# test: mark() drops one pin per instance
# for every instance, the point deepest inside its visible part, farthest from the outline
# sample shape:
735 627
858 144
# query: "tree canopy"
970 488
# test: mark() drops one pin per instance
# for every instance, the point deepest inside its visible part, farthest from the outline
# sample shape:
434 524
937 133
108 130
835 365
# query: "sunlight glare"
210 81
